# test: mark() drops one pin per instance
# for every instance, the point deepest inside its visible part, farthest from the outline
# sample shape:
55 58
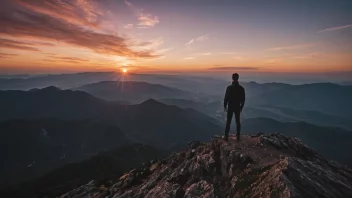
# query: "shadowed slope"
104 168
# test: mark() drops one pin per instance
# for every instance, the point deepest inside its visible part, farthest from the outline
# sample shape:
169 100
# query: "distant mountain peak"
151 102
257 166
34 90
50 88
253 82
46 89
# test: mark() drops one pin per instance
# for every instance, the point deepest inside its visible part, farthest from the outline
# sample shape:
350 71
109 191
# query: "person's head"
235 76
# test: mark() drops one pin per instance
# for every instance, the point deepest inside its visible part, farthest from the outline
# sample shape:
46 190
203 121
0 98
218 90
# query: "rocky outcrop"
257 166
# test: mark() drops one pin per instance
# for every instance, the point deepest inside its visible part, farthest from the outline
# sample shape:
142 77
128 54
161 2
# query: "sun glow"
124 70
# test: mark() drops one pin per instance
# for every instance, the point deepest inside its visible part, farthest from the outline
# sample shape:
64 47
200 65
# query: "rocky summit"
256 166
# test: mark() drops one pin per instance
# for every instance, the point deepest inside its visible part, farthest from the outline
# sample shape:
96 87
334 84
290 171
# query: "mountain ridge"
132 91
257 166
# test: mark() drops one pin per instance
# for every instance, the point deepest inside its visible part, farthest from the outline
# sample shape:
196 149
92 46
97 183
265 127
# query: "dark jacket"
235 96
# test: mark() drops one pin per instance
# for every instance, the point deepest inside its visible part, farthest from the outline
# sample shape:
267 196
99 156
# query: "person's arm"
243 99
226 99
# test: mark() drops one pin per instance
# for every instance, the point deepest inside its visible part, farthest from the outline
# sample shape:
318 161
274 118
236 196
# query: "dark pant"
230 112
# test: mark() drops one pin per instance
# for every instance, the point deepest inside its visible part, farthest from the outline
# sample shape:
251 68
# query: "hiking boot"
237 137
225 137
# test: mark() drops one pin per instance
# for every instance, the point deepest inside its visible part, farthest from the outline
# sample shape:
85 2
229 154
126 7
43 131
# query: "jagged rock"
194 144
82 191
257 166
200 189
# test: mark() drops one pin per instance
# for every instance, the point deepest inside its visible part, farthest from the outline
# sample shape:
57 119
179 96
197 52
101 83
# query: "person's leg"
238 122
228 122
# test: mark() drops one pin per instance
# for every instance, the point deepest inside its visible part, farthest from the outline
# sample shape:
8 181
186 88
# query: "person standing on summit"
233 103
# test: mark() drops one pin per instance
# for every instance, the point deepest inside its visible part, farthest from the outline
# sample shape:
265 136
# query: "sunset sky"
38 36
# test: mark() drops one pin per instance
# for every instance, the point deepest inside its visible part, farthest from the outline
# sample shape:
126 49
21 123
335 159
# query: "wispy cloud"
128 26
301 57
336 28
18 45
43 43
233 68
198 39
238 57
146 20
7 55
189 58
43 20
129 4
203 54
292 47
203 38
67 59
190 42
304 56
151 44
164 50
80 12
228 53
273 60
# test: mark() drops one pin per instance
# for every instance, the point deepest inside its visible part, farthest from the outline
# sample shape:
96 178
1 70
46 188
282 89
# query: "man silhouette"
233 104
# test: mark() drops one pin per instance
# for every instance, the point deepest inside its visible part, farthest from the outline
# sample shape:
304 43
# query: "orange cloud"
231 68
148 20
81 12
39 20
291 47
7 43
204 54
59 58
65 60
7 55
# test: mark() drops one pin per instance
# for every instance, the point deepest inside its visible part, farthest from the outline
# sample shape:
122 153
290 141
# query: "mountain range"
215 109
133 91
50 124
57 139
149 121
328 98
